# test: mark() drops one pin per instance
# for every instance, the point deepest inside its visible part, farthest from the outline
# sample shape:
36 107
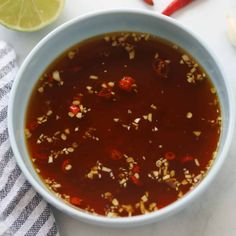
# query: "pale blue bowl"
97 23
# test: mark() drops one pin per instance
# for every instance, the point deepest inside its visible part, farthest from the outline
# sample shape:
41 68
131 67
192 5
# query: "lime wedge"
29 15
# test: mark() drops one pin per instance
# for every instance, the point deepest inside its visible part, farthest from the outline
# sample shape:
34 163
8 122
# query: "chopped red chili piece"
126 83
149 2
136 169
74 109
115 154
135 180
170 156
161 67
105 93
32 126
40 155
175 6
75 201
186 159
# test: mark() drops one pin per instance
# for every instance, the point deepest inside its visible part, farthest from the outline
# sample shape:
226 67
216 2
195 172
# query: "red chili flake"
115 154
126 83
170 156
75 201
161 67
149 2
105 92
136 169
135 180
186 159
175 6
74 109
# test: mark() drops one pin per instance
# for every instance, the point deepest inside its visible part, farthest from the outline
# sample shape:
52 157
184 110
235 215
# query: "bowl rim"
120 221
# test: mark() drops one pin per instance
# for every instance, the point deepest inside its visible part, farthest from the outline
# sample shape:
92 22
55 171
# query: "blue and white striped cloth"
22 210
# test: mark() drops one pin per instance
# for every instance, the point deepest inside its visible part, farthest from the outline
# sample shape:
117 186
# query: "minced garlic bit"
76 102
67 131
148 117
115 202
70 149
107 38
131 54
89 88
189 115
116 119
154 107
197 133
106 169
156 55
137 120
111 84
27 133
213 90
144 198
68 167
129 111
56 75
63 136
94 77
185 58
196 162
71 54
50 112
50 159
155 129
41 89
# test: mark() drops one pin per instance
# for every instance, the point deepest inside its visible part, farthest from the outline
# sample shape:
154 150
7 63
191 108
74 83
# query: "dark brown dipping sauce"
123 124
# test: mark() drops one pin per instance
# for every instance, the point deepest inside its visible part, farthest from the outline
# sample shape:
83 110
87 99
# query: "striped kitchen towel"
22 210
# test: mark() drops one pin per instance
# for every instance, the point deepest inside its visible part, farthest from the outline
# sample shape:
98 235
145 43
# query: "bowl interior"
82 28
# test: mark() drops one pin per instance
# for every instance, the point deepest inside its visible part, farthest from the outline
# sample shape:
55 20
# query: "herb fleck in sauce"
123 124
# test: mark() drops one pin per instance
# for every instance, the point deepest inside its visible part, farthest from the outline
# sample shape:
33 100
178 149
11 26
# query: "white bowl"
93 24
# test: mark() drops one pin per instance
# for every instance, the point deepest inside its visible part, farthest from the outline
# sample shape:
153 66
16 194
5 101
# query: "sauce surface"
123 124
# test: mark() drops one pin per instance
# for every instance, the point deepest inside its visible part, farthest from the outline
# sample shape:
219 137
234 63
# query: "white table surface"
214 212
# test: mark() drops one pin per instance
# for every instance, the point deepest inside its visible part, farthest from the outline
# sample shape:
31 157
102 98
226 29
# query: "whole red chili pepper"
175 6
149 2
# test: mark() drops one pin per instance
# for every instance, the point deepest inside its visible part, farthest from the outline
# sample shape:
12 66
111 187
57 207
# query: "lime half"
29 15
